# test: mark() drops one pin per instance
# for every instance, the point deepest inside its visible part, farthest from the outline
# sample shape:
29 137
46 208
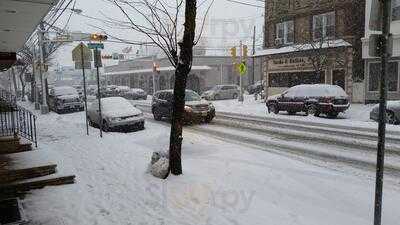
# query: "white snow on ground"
222 184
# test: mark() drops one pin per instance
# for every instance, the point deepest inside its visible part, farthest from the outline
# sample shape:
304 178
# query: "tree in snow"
160 22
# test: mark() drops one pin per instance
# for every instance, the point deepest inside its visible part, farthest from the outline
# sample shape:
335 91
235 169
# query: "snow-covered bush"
160 168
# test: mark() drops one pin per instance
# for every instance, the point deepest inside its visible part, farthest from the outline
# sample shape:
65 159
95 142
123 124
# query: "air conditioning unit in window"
279 41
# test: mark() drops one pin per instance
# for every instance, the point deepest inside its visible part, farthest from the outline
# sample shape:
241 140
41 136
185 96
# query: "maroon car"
313 99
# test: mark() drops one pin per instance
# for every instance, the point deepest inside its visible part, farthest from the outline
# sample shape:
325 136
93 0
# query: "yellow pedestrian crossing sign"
242 69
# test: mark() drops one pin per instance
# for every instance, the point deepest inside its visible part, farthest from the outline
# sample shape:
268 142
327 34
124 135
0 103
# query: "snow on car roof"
64 90
117 106
317 90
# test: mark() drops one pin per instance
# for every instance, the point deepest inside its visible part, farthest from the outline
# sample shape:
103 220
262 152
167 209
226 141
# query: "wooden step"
8 176
10 148
18 189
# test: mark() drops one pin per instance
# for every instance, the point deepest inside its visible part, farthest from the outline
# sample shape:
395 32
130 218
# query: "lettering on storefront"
295 63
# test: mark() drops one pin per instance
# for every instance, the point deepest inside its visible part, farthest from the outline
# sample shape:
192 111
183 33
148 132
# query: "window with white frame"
395 10
285 32
324 26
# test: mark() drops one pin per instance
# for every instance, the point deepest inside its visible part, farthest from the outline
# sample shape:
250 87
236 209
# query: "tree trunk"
182 70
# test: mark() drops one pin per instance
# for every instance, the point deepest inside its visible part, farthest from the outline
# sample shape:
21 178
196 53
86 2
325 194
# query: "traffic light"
245 52
98 37
233 52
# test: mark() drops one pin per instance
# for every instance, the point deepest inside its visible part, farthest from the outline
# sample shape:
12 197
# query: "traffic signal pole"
385 6
240 75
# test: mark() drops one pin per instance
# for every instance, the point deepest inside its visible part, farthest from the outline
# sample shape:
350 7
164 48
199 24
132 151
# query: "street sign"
87 65
77 54
96 45
97 58
242 69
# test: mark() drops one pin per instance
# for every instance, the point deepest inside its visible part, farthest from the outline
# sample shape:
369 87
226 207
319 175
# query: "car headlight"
114 119
188 109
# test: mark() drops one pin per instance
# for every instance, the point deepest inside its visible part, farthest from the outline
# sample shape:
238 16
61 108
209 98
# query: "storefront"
283 71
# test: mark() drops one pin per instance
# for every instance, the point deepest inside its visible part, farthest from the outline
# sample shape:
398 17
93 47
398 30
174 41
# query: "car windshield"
215 88
65 91
192 96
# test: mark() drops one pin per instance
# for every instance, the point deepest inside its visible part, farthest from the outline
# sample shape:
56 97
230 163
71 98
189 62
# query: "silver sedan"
392 112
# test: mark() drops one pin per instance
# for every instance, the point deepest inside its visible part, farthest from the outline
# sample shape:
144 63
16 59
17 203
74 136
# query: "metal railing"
16 120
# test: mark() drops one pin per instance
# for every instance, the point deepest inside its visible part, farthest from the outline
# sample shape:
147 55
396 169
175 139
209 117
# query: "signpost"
82 56
97 64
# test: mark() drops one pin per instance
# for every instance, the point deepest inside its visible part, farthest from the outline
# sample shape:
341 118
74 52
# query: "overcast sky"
226 24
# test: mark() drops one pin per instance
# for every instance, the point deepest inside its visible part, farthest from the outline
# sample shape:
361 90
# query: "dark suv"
196 109
65 99
314 99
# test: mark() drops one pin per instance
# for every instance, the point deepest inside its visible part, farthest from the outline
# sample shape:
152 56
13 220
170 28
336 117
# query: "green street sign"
96 45
242 69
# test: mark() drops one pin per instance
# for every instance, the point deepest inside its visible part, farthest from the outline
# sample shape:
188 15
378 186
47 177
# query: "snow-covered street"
224 182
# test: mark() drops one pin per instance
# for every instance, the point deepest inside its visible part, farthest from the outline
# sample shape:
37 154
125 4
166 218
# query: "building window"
375 72
293 79
395 10
324 26
285 32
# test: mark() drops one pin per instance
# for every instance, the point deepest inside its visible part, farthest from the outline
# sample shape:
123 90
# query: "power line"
246 3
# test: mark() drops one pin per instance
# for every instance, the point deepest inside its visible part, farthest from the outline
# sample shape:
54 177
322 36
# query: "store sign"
294 63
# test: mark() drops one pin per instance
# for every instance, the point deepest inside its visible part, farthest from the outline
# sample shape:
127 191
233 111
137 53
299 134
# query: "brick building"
312 41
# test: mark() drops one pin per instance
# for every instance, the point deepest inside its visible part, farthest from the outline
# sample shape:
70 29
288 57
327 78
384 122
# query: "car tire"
90 122
235 96
273 108
157 117
105 126
209 119
312 110
333 115
391 118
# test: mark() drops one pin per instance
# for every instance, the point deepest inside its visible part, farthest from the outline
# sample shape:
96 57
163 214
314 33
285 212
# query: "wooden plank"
9 176
38 184
9 149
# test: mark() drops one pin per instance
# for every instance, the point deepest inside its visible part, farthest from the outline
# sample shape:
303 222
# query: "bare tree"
162 26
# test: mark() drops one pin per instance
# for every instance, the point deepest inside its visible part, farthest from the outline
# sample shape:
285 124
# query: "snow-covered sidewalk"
223 183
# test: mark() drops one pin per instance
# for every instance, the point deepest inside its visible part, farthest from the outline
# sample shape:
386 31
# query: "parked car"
117 114
65 99
121 90
256 88
314 99
222 92
392 112
135 94
196 109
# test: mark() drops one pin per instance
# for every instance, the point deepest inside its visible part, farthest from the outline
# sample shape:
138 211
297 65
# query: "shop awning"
18 19
161 69
304 47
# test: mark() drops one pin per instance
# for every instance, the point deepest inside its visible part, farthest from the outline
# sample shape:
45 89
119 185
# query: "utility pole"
385 5
253 53
240 76
37 104
84 88
44 108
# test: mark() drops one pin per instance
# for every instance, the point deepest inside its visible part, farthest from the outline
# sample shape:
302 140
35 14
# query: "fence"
16 120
